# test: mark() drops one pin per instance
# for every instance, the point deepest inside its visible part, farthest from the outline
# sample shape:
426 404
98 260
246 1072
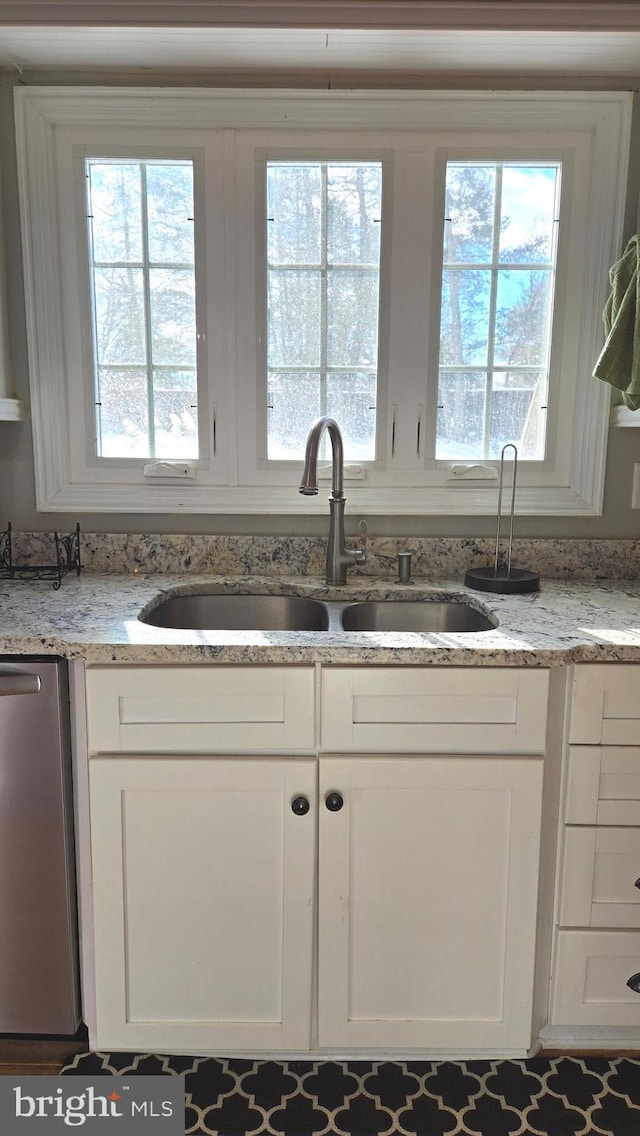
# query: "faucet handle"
361 552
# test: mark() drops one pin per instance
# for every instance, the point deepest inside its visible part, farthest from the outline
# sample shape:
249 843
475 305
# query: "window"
498 285
142 282
323 283
209 271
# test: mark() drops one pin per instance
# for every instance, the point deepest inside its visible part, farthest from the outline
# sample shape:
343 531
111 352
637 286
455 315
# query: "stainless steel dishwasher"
39 986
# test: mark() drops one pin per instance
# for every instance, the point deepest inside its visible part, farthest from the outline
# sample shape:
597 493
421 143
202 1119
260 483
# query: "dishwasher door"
39 985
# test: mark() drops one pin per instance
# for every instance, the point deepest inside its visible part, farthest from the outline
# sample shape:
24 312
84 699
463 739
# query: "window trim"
604 117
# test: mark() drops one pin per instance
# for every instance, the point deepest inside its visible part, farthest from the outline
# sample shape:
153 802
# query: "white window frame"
232 133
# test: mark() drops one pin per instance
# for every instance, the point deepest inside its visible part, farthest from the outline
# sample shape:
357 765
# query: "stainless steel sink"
206 611
415 615
211 611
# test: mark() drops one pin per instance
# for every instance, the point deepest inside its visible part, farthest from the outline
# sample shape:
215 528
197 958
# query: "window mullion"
493 302
151 417
323 288
97 398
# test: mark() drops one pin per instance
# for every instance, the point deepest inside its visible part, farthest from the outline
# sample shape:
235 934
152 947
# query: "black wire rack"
66 548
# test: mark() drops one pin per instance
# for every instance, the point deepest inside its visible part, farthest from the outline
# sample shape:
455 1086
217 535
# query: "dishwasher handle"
19 683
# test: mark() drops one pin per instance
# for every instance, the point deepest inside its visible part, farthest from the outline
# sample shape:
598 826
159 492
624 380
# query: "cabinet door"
200 709
427 901
434 709
603 785
600 877
591 979
606 704
203 882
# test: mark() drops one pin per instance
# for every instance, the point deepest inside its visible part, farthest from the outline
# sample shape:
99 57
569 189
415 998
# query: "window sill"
372 501
622 416
11 410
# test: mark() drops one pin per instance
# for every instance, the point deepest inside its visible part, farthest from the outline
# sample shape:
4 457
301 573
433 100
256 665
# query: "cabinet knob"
637 883
300 806
634 983
334 802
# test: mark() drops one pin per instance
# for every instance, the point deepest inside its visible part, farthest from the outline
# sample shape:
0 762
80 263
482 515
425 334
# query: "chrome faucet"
339 557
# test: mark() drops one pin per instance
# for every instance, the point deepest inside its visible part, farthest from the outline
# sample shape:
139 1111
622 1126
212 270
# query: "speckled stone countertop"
95 617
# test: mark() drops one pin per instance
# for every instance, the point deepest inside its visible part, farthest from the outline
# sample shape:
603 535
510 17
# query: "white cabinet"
593 971
598 940
200 709
436 709
606 705
601 877
204 881
603 785
223 924
427 901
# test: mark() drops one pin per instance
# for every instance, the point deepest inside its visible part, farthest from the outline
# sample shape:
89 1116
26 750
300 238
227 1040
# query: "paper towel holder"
501 578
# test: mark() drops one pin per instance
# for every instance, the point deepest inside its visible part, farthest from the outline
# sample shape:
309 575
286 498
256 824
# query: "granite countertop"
95 617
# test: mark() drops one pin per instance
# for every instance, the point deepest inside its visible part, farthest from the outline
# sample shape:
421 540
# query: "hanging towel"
619 360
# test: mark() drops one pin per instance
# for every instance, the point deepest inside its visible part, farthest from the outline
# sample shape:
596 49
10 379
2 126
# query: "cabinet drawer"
431 709
590 979
606 705
600 878
200 709
603 785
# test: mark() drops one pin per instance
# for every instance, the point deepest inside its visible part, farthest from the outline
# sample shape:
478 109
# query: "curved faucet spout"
309 483
339 557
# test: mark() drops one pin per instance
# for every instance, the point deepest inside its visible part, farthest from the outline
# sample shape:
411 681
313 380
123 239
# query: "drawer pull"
300 806
637 883
634 983
20 683
334 802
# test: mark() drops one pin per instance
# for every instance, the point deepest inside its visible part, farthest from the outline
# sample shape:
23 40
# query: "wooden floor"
28 1058
22 1057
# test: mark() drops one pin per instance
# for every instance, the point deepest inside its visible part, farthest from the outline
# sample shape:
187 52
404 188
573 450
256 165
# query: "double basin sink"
208 611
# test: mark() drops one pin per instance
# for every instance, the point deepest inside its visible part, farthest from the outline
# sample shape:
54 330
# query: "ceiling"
299 51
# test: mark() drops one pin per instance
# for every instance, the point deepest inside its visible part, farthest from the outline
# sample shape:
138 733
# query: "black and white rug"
556 1096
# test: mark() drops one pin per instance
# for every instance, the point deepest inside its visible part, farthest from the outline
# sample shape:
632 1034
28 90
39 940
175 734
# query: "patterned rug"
556 1096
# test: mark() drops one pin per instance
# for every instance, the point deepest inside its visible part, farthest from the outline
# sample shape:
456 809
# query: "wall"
17 495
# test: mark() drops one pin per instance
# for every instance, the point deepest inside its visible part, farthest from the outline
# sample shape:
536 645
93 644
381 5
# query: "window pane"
122 413
513 415
323 254
294 212
353 214
501 218
294 404
532 412
294 319
119 315
170 212
464 329
461 412
173 316
522 319
528 211
352 319
175 405
144 313
469 213
115 211
351 401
